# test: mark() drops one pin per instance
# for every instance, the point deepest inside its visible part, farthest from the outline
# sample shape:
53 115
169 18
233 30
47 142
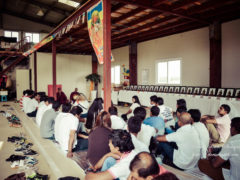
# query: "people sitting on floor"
135 103
117 122
73 95
48 101
122 149
99 138
146 132
61 97
93 112
201 130
181 149
32 105
21 99
230 152
180 109
48 121
82 102
155 121
145 167
134 127
153 100
165 113
166 176
219 126
26 99
67 137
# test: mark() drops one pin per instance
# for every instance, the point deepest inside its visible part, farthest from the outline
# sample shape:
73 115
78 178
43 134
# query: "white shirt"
117 122
41 110
139 146
223 127
231 152
166 114
82 104
133 107
188 152
42 103
25 101
67 123
58 120
203 134
146 133
121 168
32 105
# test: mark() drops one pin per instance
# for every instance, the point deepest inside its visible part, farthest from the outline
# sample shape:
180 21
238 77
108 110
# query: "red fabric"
61 98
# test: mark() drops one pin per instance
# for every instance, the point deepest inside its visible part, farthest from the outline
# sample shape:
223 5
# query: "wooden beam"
19 59
215 55
54 76
94 63
159 9
107 53
35 71
29 18
48 10
133 63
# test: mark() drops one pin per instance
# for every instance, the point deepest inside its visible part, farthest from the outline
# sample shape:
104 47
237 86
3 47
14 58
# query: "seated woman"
93 111
135 104
82 102
99 138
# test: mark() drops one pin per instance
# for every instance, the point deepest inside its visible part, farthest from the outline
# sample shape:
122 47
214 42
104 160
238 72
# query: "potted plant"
94 78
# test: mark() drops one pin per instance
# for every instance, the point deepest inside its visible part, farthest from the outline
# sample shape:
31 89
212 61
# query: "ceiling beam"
48 10
159 9
29 18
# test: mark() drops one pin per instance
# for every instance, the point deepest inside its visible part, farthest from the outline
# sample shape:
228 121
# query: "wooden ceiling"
142 20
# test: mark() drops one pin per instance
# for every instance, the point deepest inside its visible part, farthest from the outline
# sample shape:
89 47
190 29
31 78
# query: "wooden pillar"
215 55
107 53
133 63
94 63
54 68
35 71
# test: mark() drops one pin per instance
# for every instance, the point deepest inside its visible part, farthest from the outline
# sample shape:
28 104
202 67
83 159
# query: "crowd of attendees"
127 146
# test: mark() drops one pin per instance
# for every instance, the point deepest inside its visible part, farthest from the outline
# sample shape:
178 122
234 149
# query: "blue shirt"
156 122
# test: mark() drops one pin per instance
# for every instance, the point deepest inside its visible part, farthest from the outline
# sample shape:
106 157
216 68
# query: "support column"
107 53
94 63
133 63
35 71
215 55
54 68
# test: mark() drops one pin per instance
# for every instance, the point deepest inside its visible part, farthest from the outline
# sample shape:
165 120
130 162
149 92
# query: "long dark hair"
136 100
93 111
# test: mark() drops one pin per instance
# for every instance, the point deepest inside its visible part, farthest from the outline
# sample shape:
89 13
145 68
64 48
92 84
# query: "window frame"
167 61
114 75
31 37
18 38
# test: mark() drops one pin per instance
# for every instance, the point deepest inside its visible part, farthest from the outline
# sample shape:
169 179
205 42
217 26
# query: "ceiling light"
70 3
40 13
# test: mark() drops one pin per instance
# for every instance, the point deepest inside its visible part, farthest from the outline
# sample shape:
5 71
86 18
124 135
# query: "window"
169 71
11 34
115 75
32 37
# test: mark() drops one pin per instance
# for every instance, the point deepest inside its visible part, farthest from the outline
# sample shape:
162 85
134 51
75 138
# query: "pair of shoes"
17 164
30 152
37 176
16 139
14 157
20 176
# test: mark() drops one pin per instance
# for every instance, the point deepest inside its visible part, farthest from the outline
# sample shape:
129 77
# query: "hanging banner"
38 45
95 30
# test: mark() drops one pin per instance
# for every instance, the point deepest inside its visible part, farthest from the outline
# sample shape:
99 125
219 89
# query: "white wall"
231 54
71 72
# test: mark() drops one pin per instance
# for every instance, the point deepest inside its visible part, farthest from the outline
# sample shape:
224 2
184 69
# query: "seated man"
26 99
145 167
153 101
219 127
134 127
146 132
181 102
32 105
155 121
67 137
186 152
230 152
42 109
117 122
48 120
121 147
201 130
73 94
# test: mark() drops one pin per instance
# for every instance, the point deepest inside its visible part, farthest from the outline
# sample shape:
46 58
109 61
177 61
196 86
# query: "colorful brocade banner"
95 29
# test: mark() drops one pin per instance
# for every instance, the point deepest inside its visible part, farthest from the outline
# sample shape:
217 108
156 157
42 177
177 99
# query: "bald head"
144 164
185 118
